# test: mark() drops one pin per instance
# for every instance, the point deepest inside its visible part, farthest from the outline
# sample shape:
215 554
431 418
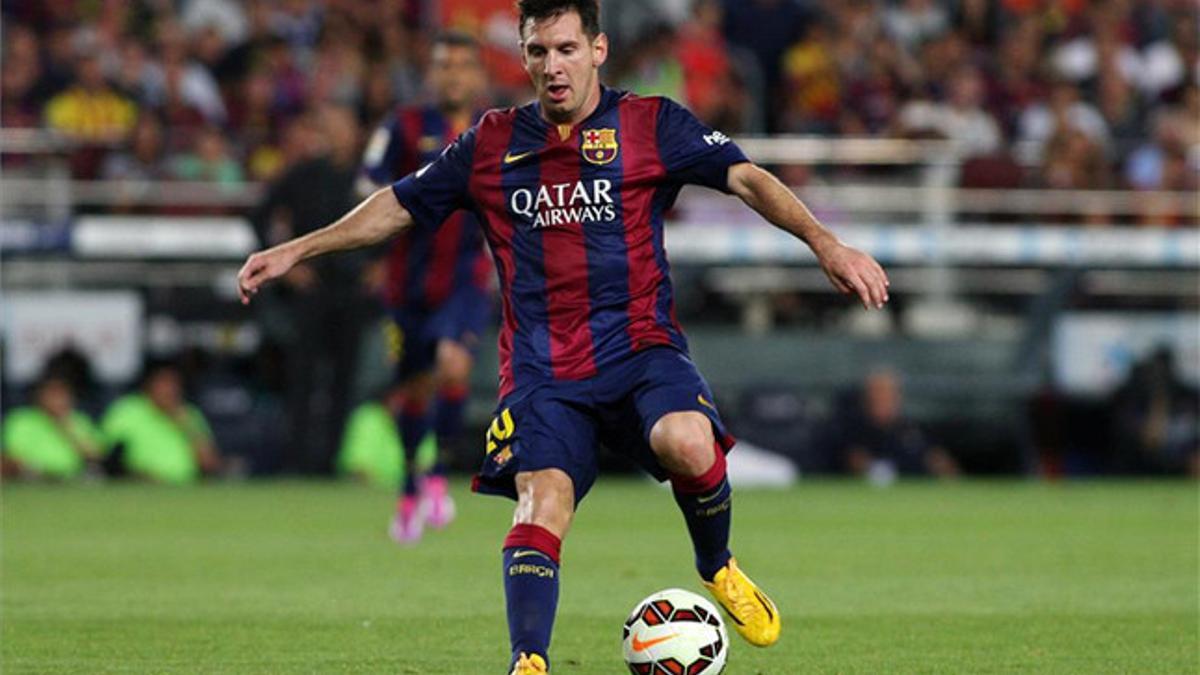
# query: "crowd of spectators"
1071 94
1089 94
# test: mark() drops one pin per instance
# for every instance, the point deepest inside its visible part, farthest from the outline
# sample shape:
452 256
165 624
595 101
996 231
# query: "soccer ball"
675 632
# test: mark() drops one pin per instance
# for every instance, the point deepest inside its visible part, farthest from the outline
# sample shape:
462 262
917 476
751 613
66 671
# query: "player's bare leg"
413 421
545 508
684 444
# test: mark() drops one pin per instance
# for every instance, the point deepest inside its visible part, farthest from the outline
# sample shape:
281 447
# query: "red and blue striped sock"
531 588
707 504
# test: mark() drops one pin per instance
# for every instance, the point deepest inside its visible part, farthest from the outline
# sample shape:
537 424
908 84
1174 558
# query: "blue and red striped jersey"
574 217
427 262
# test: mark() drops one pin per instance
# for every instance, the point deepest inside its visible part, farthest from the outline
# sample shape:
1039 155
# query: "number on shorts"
501 430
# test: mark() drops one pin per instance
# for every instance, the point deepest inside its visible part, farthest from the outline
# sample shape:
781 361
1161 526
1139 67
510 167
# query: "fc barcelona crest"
599 145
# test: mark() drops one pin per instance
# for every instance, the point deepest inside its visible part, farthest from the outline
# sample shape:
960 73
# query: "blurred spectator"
226 16
1122 111
875 87
259 125
137 166
298 22
911 22
766 28
185 79
872 438
1104 46
321 309
208 160
156 434
1155 420
1073 161
939 59
1062 110
1162 163
215 54
22 89
338 68
91 110
1015 83
711 89
961 118
144 159
50 438
814 88
289 80
1167 162
72 365
138 75
61 53
1173 61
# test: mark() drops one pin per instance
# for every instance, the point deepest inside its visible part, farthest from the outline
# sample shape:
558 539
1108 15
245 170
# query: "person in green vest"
50 438
156 434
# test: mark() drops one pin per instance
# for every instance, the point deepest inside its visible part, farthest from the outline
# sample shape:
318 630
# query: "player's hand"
261 268
855 273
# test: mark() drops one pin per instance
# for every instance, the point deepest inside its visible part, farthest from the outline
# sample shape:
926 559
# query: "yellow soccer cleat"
750 610
530 665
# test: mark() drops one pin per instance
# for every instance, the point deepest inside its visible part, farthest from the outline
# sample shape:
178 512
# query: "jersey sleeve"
442 187
385 145
691 151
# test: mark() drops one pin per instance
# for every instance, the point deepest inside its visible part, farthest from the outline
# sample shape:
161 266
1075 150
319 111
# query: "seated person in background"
50 438
1156 420
372 450
872 438
155 434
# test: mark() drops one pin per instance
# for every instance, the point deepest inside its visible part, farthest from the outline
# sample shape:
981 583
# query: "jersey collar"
608 98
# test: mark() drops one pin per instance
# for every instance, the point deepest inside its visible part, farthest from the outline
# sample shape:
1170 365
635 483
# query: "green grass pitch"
300 577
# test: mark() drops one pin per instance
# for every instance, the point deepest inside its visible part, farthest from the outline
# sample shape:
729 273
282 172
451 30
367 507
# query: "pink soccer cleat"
409 523
439 505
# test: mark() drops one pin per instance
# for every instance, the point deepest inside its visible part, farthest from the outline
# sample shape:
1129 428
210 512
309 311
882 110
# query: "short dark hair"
456 38
538 10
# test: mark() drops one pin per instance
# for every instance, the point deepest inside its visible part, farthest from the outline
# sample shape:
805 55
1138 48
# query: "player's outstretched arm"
378 217
851 271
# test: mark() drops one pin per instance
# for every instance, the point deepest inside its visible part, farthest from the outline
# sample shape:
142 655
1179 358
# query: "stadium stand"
1027 170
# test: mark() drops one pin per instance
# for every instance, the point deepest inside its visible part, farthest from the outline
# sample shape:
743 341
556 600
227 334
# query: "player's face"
564 65
455 75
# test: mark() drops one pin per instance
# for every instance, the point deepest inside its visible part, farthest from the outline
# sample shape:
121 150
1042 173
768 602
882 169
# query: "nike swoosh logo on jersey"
639 646
509 158
704 402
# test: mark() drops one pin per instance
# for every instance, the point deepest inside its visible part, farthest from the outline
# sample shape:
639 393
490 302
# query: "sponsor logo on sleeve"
716 138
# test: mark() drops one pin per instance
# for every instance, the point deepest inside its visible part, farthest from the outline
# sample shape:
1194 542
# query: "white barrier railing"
930 197
968 245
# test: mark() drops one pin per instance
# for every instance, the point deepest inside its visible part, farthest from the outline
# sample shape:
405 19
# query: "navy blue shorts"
560 424
415 333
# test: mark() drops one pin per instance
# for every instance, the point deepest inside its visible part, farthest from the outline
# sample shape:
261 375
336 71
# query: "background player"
436 289
589 349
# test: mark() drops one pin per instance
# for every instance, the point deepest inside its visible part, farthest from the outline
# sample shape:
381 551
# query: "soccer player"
571 191
437 289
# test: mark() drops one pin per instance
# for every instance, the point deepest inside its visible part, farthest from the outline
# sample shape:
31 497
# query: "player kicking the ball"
571 191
